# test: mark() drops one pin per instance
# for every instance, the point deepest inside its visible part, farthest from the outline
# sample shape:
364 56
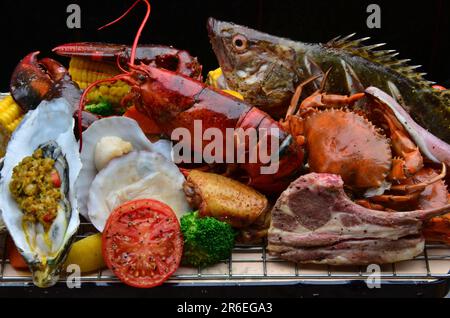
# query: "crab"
362 141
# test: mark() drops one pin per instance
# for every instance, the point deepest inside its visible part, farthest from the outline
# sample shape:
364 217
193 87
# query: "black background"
420 31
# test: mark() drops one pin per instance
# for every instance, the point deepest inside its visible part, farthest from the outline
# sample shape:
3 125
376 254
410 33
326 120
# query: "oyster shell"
49 127
123 127
2 224
137 175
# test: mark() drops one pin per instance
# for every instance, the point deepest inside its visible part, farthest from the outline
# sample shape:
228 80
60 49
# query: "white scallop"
122 127
137 175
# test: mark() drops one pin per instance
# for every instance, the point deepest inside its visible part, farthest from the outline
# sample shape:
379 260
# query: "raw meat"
314 221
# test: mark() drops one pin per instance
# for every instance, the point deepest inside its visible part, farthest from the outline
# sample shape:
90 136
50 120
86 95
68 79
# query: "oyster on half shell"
49 127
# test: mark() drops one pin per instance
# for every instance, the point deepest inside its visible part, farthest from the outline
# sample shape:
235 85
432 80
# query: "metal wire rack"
253 264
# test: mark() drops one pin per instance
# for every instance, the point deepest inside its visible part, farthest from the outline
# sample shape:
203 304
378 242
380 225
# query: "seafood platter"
290 163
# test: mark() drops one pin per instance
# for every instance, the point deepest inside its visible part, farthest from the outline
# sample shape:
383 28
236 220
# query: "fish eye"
239 42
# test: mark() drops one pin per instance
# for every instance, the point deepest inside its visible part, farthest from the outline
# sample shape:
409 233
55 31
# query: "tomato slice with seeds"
56 180
142 243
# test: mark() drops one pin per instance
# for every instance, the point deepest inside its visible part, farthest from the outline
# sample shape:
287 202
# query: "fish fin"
313 70
387 58
354 84
346 42
395 93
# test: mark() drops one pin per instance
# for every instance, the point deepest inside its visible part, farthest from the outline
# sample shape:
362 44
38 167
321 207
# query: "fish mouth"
210 25
218 44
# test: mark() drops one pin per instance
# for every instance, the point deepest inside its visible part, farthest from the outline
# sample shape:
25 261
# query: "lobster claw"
32 80
160 56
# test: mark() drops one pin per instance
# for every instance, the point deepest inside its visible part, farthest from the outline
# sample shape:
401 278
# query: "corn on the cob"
10 116
85 72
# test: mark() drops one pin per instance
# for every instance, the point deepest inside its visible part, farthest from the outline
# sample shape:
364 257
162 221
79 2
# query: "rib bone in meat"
314 221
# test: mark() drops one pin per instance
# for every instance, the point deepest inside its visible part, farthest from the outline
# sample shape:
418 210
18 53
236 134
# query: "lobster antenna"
141 27
120 67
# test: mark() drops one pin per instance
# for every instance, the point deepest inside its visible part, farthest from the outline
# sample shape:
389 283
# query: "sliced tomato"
142 243
48 218
15 259
56 180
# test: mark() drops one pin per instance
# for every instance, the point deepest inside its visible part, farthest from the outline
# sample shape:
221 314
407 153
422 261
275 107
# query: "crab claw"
433 148
32 80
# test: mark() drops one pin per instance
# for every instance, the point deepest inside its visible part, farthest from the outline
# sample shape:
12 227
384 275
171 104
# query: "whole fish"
266 69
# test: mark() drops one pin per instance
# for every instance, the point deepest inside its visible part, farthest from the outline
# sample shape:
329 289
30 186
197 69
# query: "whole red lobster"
174 100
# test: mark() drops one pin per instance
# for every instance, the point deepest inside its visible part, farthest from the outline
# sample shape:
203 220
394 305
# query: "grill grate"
252 263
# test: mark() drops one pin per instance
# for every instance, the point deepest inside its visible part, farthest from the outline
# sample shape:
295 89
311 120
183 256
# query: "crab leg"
318 98
390 198
296 97
411 188
410 192
411 161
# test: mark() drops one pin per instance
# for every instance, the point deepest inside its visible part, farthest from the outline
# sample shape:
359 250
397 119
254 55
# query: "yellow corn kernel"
10 116
103 89
84 72
11 127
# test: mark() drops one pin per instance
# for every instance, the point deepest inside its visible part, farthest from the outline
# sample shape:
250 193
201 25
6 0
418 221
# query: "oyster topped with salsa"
36 184
37 195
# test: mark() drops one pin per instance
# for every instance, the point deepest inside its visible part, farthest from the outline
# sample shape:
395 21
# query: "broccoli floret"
103 108
206 240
